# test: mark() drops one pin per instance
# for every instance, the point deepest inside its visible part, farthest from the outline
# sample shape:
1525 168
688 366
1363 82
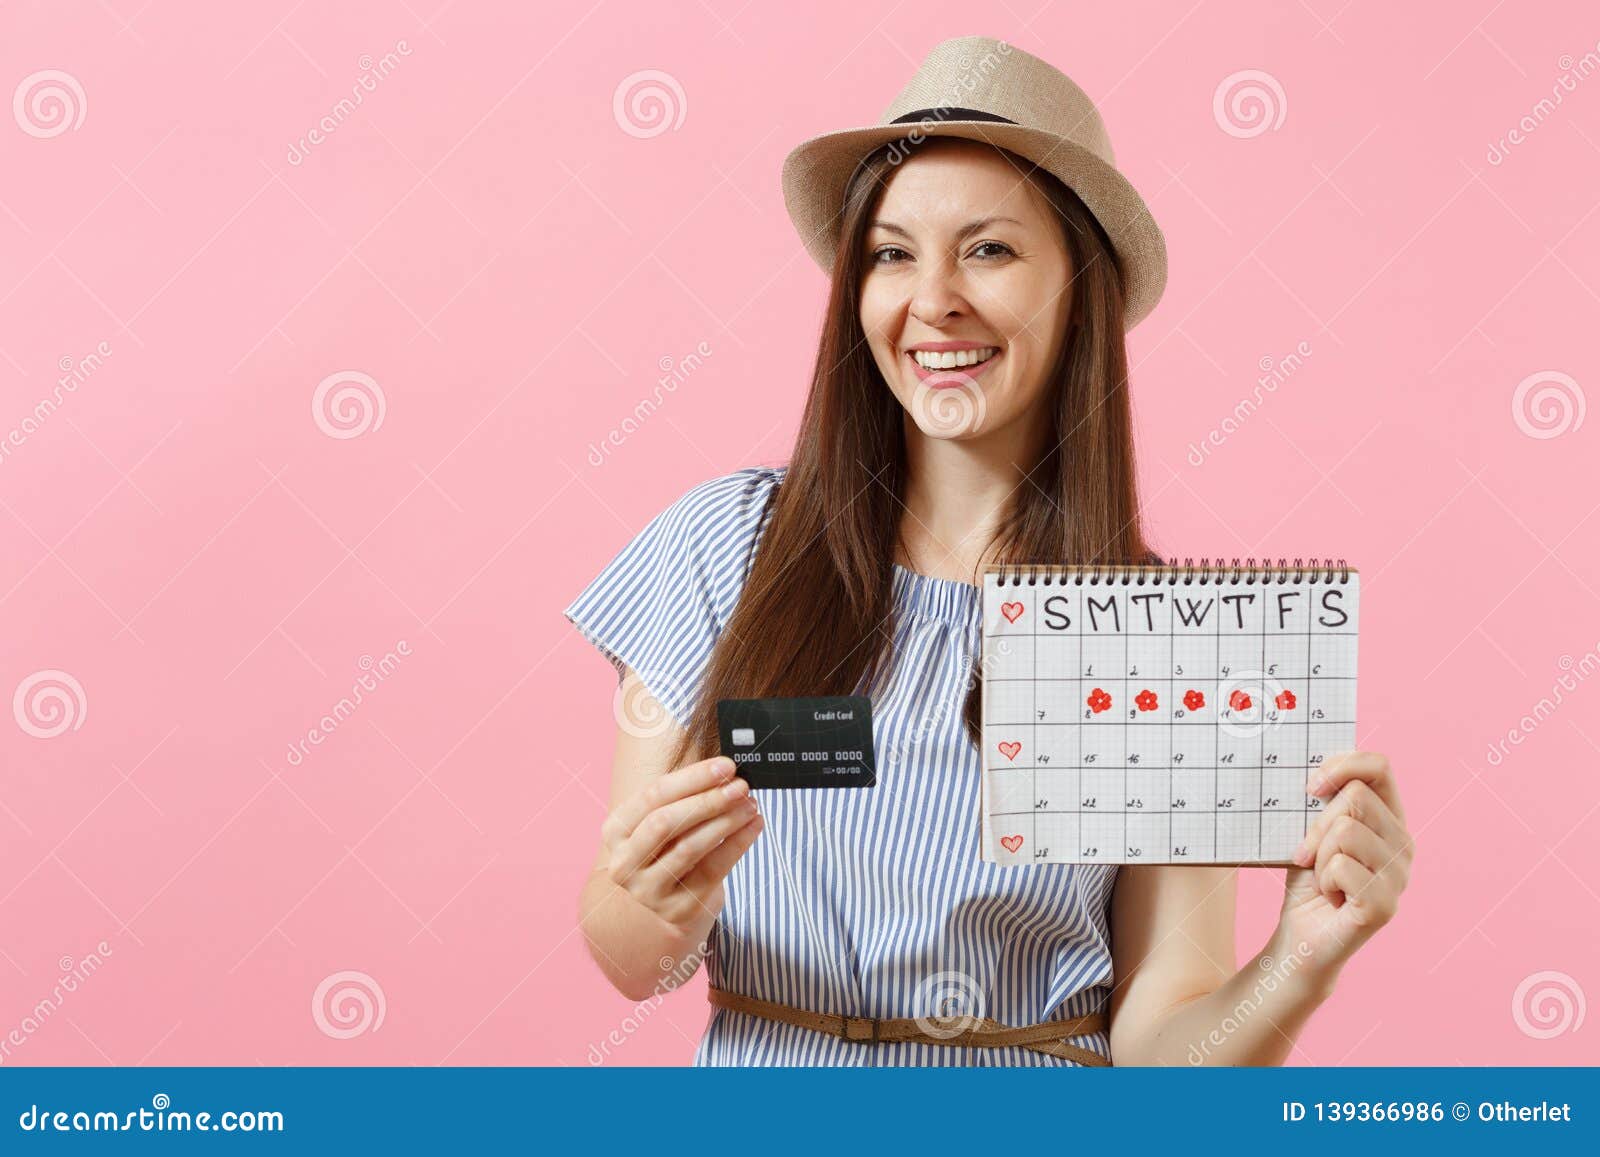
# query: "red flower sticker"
1285 699
1099 701
1239 701
1193 699
1145 700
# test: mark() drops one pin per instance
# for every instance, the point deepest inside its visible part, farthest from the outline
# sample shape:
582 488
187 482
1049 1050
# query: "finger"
720 861
1371 767
665 789
1357 800
1355 883
1353 838
684 854
677 901
664 825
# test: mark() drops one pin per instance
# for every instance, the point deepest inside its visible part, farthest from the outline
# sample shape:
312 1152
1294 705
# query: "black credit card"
809 742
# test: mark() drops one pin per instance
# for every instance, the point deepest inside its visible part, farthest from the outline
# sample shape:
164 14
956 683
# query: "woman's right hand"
671 844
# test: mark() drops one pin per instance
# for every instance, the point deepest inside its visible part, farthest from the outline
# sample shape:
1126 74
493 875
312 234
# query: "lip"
951 378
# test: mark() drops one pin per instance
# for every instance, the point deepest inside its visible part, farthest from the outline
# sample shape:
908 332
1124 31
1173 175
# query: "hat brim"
816 171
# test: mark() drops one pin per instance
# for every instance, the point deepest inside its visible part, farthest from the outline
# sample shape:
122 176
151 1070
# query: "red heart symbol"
1011 843
1012 611
1011 749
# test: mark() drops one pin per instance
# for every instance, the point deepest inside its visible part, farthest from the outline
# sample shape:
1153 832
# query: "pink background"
185 539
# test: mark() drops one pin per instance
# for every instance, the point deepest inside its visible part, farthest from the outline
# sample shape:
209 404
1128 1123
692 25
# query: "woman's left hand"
1357 856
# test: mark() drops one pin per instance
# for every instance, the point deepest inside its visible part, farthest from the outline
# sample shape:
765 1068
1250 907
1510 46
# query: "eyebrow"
965 231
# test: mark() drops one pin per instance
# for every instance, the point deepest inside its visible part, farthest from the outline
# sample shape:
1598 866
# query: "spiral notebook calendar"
1162 714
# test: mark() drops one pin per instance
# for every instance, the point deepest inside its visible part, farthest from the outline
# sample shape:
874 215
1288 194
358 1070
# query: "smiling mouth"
947 376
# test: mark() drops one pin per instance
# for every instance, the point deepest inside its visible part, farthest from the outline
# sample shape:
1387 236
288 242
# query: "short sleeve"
660 604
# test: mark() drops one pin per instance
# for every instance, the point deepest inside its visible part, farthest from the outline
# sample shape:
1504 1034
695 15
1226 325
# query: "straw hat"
987 90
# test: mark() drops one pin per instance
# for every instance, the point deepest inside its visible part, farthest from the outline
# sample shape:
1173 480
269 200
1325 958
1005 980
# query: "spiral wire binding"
1171 572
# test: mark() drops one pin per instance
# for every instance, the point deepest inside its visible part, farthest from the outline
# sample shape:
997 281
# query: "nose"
937 295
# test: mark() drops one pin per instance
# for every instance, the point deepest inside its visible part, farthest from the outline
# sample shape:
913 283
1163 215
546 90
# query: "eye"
1004 249
879 254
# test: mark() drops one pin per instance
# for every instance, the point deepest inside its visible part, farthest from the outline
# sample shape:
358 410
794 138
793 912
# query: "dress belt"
1048 1036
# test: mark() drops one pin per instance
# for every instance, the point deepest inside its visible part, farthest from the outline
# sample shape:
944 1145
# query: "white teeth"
951 359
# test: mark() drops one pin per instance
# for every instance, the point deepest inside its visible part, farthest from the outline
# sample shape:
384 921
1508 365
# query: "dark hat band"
950 113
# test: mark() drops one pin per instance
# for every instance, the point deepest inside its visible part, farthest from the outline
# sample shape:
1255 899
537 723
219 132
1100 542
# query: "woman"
968 407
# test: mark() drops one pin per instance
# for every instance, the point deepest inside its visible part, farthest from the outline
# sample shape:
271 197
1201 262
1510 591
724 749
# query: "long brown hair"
815 613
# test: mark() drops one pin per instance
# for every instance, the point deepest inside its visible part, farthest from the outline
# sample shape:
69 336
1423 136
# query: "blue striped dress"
866 901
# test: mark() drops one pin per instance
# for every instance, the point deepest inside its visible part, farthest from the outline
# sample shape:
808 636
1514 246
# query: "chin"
951 413
941 433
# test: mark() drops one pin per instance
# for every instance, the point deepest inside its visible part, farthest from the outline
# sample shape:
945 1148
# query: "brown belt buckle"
844 1028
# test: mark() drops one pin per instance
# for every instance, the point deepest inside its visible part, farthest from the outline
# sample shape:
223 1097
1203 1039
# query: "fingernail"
735 789
723 766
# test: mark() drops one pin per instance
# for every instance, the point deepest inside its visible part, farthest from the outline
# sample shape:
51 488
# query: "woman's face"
965 261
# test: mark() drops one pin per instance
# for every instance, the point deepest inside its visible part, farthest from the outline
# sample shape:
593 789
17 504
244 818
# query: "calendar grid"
1124 801
1229 731
1033 755
1305 796
1216 768
1261 761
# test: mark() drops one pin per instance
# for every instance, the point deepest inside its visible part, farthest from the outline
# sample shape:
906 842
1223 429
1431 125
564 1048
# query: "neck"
958 494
